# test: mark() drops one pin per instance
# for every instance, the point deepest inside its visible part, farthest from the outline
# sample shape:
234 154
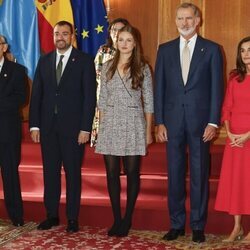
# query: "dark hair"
62 23
117 20
241 69
3 39
136 61
186 5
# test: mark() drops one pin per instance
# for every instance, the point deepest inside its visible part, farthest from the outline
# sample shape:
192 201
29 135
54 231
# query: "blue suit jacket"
198 102
75 96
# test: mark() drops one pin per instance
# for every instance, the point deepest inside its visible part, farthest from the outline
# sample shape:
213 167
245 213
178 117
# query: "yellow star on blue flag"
99 29
90 19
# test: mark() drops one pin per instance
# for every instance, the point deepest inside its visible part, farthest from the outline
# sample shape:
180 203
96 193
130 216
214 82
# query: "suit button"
57 94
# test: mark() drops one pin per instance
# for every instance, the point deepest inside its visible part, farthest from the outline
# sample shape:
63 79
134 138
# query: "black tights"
132 170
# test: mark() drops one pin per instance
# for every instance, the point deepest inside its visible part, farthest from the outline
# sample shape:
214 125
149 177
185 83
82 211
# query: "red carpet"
28 238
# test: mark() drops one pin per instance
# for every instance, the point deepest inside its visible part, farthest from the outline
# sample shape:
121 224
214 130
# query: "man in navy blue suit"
61 114
188 97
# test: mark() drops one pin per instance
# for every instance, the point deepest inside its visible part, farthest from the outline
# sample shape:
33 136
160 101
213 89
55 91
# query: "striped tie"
59 69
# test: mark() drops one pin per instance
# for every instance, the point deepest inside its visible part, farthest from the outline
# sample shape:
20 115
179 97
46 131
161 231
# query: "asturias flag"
18 23
91 23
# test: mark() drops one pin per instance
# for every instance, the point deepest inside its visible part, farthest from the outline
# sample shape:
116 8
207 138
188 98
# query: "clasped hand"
238 140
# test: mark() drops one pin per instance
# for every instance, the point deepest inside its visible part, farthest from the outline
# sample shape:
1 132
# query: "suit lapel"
52 62
4 75
198 55
176 59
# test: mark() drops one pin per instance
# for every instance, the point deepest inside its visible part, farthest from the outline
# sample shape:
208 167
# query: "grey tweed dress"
122 128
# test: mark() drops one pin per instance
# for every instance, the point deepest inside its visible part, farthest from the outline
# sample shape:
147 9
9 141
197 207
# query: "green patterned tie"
59 69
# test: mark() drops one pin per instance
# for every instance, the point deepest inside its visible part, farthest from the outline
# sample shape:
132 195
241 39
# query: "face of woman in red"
245 54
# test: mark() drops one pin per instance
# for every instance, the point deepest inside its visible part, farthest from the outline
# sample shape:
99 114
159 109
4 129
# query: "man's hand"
83 137
209 133
162 134
35 136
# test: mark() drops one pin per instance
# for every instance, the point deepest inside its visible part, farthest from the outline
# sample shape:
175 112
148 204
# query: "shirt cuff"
214 125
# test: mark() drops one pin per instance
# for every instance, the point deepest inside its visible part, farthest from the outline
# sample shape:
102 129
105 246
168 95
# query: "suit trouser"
58 150
9 162
199 174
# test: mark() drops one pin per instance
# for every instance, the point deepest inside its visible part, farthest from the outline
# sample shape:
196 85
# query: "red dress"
233 194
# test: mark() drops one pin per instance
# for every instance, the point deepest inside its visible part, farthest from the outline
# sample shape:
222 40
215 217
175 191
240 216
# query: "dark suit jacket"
12 96
75 96
199 101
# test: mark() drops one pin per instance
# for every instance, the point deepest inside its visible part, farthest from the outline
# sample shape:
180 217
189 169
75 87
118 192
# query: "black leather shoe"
73 226
173 234
48 223
198 236
17 222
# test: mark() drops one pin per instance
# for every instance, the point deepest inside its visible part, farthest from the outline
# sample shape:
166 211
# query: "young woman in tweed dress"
126 108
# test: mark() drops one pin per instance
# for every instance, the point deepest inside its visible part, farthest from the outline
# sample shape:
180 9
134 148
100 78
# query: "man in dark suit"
12 97
61 114
188 96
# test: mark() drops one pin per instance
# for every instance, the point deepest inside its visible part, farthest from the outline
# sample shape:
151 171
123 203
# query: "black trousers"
9 162
59 150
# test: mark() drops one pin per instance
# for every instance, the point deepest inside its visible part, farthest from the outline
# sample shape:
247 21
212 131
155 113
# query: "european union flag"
90 19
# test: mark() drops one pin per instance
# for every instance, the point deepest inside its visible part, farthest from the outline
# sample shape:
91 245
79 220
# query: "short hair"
186 5
63 23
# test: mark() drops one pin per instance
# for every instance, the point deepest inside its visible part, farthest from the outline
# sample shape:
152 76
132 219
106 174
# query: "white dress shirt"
1 64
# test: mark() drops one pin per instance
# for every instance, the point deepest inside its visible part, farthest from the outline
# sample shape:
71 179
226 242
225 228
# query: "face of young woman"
125 43
245 54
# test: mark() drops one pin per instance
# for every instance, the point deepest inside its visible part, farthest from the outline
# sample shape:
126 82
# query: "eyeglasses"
115 29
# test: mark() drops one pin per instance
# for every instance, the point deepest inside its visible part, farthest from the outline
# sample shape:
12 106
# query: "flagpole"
108 6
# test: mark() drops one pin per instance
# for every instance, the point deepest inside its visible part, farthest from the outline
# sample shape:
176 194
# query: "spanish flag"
49 13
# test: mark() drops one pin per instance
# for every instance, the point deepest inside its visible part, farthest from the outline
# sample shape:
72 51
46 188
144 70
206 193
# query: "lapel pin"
73 59
202 49
5 75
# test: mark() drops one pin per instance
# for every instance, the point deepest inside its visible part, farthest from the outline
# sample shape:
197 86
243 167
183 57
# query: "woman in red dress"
233 191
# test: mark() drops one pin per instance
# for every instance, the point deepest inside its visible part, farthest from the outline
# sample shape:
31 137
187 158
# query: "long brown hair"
135 63
241 69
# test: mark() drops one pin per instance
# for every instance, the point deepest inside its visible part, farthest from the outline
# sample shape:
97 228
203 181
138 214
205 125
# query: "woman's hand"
238 140
149 138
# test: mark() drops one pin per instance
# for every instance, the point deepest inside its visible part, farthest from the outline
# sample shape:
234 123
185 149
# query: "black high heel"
113 231
124 229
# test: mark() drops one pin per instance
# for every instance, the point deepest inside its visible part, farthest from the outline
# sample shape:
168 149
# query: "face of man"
186 22
63 37
3 47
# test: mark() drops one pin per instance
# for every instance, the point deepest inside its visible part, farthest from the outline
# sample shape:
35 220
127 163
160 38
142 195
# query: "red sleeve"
228 102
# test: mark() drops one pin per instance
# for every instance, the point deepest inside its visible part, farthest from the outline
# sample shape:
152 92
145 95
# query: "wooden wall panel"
227 22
